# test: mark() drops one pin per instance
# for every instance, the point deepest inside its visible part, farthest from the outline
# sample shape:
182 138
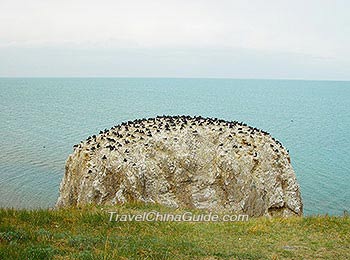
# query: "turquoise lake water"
41 119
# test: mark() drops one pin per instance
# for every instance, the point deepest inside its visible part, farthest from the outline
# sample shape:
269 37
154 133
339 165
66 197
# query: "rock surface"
182 161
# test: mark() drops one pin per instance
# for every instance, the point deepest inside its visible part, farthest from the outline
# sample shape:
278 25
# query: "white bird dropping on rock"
183 161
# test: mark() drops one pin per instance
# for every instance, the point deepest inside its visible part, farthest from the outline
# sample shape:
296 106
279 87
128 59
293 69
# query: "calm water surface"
41 119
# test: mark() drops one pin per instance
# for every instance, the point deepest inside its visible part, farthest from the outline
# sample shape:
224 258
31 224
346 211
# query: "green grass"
87 233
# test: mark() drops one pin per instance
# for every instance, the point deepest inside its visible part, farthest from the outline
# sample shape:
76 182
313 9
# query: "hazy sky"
295 39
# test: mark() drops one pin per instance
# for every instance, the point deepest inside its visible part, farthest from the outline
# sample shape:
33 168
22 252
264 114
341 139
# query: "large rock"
188 162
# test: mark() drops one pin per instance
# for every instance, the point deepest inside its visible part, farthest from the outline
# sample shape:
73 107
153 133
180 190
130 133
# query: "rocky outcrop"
182 161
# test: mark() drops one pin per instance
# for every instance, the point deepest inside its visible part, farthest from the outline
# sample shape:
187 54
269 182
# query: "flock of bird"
121 137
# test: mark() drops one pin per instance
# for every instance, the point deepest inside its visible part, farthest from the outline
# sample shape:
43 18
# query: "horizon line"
164 77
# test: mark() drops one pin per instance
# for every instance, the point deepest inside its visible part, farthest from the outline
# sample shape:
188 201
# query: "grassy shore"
88 234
